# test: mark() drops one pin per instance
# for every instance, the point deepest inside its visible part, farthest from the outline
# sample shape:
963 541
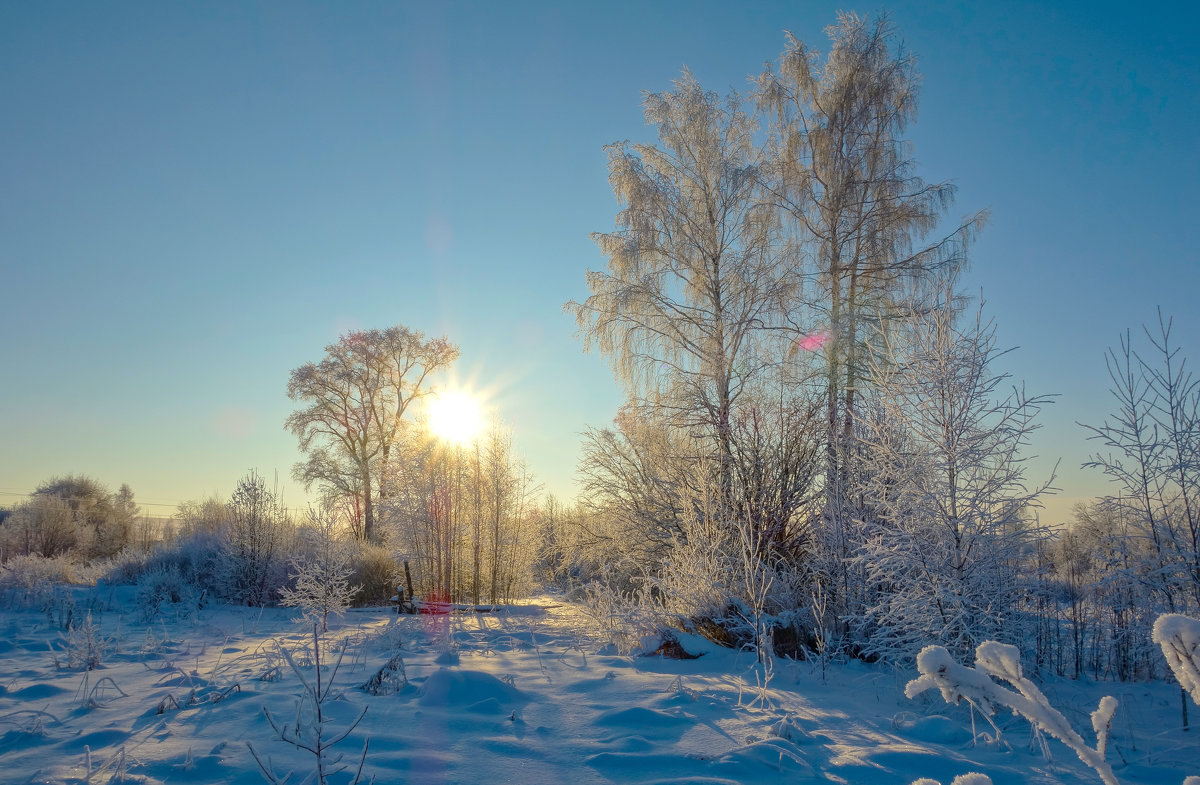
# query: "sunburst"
454 416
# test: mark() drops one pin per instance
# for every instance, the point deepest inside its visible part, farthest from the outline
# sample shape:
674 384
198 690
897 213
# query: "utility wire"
136 501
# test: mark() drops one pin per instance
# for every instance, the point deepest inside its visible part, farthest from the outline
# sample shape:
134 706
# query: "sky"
198 197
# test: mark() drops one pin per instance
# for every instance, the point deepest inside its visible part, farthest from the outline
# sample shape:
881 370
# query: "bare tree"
354 401
1153 442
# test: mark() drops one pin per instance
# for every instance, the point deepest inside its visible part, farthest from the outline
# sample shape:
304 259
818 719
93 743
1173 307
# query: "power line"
136 501
28 494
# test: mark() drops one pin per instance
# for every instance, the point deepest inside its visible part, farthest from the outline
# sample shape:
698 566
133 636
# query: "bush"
86 646
376 573
196 557
254 564
166 586
30 581
30 572
126 567
44 526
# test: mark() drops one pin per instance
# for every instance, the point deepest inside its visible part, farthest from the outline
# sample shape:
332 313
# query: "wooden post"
408 580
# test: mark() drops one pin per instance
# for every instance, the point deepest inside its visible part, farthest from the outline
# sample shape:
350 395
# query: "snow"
519 696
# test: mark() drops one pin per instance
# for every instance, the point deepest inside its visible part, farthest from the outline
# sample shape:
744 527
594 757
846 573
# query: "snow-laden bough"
957 682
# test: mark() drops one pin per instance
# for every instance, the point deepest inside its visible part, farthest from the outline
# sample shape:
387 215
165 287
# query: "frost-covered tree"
864 225
946 481
756 257
506 540
463 516
253 565
104 520
1095 592
636 479
694 267
322 573
353 403
43 526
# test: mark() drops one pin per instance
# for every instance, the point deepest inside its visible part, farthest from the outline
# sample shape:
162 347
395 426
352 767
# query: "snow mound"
766 759
935 730
638 718
37 692
465 689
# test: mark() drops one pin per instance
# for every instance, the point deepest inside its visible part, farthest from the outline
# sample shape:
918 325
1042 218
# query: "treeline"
73 514
464 517
1134 554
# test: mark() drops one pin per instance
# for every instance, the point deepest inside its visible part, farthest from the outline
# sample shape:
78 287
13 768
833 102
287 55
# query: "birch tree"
354 401
861 219
693 271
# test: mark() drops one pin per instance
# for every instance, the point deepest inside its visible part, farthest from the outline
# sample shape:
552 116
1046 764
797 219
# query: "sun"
454 416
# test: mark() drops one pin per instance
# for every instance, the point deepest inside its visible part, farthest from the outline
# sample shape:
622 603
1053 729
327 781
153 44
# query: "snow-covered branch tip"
975 685
1179 637
970 778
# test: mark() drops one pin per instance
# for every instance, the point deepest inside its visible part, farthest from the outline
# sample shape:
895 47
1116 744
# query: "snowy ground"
525 696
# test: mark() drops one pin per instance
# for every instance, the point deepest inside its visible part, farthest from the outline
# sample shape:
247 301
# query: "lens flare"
814 341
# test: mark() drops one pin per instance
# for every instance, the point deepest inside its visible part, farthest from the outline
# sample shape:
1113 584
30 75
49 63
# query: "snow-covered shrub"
243 560
253 565
31 571
31 580
625 620
126 566
195 557
957 682
389 679
1179 637
86 645
163 587
696 577
44 526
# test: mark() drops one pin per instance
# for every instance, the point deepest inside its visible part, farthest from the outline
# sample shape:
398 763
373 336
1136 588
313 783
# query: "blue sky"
198 197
